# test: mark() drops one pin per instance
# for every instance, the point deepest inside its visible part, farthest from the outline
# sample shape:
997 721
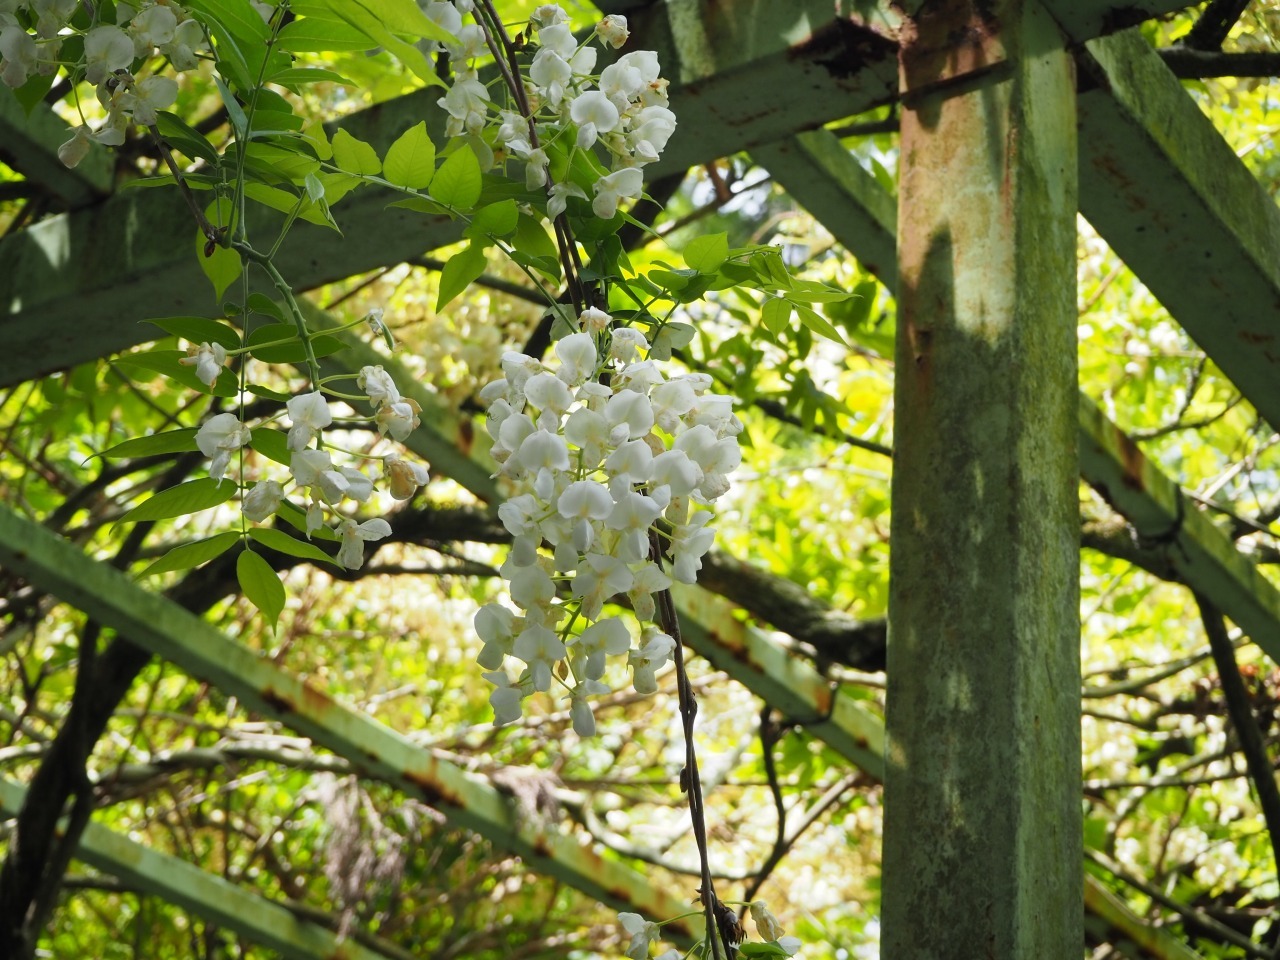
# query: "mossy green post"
982 854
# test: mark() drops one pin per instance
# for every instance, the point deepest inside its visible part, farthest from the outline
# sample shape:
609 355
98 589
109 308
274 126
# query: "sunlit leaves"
457 183
354 155
411 160
459 272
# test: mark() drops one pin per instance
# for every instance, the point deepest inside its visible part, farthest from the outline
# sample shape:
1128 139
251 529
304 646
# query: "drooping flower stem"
286 292
690 782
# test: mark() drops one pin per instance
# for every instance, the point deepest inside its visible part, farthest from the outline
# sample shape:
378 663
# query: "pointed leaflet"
190 497
193 554
354 155
171 441
260 586
281 542
459 272
411 160
705 254
457 182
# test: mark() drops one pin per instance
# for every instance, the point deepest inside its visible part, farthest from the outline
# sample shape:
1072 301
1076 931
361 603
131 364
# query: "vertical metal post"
982 855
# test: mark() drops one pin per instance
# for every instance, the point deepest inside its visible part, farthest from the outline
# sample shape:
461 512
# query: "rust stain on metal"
1131 460
844 47
466 436
1255 338
427 783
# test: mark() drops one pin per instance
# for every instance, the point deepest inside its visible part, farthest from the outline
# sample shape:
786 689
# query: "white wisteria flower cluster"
624 108
326 485
603 449
141 30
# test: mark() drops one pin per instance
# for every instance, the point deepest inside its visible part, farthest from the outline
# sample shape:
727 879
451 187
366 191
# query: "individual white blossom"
398 419
208 359
354 535
378 385
310 414
19 55
627 183
187 43
505 699
219 437
107 49
642 933
767 924
75 149
404 477
262 501
613 30
143 98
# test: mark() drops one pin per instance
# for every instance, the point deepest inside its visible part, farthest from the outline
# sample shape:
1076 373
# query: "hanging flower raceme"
596 468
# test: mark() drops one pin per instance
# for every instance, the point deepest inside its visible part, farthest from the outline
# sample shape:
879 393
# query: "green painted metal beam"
1083 20
1184 213
160 626
816 170
203 894
982 828
29 144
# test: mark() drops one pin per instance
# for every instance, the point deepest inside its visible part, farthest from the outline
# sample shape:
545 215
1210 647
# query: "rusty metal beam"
1184 213
202 893
167 630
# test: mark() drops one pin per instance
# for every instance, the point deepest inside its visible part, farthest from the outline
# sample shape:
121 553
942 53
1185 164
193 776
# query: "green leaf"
816 322
221 265
178 133
423 205
705 254
377 19
168 363
811 291
411 160
261 303
238 16
458 182
199 330
459 272
266 393
171 441
190 497
272 444
775 315
281 542
313 35
354 155
494 220
261 586
192 554
293 77
751 948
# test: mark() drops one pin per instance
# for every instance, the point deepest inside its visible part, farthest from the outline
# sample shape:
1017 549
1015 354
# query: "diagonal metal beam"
1083 20
29 144
167 630
823 177
1169 195
202 893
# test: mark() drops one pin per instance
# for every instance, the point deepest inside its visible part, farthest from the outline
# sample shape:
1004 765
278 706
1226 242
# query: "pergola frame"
1155 179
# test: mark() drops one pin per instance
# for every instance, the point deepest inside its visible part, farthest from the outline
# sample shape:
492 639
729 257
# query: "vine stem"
282 285
690 782
504 52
